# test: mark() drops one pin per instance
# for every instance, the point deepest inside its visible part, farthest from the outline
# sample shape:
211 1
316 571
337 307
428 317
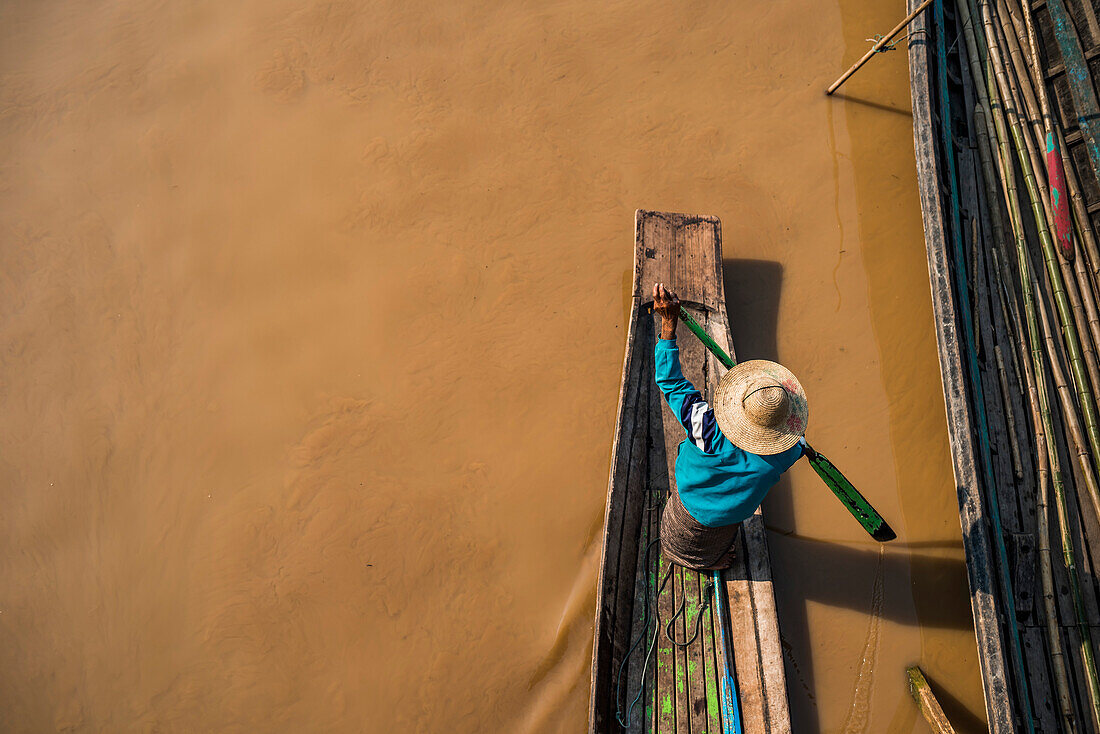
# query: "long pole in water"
731 710
878 47
860 508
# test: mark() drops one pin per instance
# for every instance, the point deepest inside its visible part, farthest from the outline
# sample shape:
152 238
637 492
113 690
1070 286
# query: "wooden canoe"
997 500
679 686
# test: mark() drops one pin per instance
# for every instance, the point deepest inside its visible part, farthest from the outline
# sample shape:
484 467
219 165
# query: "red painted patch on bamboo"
1059 201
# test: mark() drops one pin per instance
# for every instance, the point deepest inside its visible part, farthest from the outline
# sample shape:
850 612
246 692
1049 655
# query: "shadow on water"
830 573
837 575
956 711
752 305
903 111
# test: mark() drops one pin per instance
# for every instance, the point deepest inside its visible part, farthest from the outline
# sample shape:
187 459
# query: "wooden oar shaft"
860 508
878 46
704 337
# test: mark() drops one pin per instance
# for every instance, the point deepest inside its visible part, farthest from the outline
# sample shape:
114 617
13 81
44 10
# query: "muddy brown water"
312 320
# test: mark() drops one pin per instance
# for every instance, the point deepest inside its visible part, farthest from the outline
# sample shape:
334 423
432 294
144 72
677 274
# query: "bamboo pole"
1043 426
1082 305
975 286
927 703
1038 80
1026 279
1010 413
982 284
1018 33
1078 284
1014 34
1084 284
1068 555
1069 414
878 46
1056 174
1005 275
1038 402
1034 365
983 124
1065 314
1008 601
1079 276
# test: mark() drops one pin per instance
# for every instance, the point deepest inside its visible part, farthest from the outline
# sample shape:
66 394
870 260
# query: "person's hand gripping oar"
860 508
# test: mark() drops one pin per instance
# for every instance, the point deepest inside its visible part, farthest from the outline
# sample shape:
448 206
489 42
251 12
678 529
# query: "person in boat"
734 452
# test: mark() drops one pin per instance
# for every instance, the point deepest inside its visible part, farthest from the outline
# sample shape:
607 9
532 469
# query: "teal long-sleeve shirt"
718 483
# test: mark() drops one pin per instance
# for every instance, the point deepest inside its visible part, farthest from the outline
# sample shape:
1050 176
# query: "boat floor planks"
678 691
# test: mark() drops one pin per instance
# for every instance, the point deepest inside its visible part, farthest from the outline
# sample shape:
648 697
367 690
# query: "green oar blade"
871 521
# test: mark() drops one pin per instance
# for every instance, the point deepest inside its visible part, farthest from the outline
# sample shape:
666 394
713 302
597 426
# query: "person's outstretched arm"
687 404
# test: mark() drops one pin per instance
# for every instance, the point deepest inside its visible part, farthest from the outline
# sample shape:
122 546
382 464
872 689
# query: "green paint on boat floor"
683 677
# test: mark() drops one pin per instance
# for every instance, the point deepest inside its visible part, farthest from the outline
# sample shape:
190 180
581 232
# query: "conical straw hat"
761 407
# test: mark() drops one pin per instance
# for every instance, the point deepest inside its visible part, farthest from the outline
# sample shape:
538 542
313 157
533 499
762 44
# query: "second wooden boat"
642 679
989 423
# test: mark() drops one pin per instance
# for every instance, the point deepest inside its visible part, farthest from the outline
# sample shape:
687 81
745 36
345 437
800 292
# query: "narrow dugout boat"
992 454
644 602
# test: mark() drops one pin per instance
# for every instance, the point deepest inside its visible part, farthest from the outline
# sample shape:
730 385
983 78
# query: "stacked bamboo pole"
1036 209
